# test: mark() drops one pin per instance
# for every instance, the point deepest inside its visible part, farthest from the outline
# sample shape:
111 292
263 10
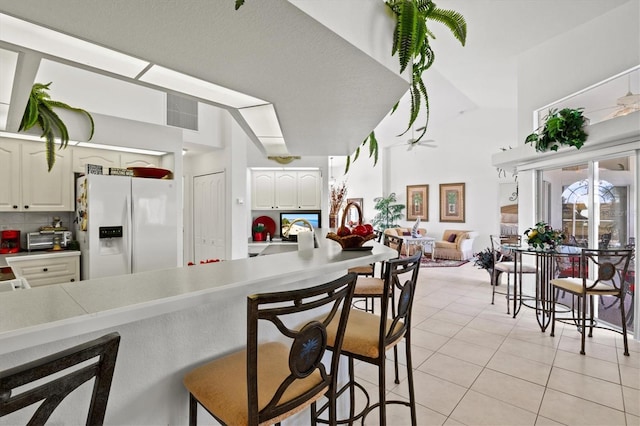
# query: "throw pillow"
451 238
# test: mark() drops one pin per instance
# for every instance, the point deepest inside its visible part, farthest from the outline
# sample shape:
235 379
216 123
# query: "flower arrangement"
542 235
336 199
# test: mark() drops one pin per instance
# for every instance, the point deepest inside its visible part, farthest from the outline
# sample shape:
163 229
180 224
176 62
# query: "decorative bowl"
351 242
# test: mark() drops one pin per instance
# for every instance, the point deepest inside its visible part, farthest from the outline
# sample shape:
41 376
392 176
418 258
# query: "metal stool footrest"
355 416
387 402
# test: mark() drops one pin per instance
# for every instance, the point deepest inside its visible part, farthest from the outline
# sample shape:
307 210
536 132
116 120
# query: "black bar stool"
269 381
53 392
368 337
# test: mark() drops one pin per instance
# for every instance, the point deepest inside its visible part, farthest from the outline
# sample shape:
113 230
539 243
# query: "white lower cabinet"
41 270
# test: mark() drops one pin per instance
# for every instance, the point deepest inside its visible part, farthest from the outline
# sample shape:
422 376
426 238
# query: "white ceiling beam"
23 79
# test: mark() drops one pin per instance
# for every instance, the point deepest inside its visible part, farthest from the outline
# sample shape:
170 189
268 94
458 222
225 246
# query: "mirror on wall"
508 194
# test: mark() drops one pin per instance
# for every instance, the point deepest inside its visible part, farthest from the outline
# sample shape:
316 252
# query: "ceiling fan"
412 142
625 104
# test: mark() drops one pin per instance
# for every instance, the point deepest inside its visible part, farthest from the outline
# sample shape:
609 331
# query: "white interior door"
209 222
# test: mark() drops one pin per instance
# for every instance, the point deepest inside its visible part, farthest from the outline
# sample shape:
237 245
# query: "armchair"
456 244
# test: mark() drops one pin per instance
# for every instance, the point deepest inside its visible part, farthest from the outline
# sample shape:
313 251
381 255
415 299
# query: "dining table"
546 261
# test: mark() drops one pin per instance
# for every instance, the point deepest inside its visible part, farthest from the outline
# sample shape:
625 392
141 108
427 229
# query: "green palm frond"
453 20
39 110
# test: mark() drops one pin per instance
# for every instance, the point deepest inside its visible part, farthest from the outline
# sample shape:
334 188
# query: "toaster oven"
45 240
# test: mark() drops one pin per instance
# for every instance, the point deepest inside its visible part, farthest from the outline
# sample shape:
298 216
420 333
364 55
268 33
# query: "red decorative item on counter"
9 241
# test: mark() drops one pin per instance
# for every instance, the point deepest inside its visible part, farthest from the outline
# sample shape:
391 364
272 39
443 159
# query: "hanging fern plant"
411 43
40 111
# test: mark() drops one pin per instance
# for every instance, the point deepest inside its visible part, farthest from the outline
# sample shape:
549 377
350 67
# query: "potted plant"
564 127
39 110
259 232
484 260
388 212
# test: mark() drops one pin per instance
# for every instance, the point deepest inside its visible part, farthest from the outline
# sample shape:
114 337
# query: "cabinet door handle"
15 207
26 207
45 269
73 279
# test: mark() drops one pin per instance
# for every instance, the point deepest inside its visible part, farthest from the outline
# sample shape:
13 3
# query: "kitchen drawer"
39 272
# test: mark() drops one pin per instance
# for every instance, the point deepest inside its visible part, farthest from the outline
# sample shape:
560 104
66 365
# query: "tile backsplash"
26 222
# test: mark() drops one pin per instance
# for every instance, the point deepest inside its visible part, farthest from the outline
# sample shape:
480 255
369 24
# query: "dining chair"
609 269
368 337
44 384
371 288
503 262
273 378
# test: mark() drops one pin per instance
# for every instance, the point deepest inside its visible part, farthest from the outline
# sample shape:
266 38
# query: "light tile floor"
476 365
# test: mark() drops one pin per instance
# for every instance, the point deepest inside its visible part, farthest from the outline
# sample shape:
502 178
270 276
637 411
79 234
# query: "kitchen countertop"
41 254
170 320
44 314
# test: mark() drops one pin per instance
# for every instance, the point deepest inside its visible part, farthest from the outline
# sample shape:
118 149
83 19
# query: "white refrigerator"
125 225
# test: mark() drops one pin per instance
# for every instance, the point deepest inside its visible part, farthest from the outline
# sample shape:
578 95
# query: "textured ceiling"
327 93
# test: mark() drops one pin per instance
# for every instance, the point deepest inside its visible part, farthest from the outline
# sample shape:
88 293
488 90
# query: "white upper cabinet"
105 158
44 191
263 190
10 176
138 160
309 190
100 157
286 190
27 186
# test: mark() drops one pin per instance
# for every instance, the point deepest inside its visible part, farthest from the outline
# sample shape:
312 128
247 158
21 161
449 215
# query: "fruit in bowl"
360 230
343 231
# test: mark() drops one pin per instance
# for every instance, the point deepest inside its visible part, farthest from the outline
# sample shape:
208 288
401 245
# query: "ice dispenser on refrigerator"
111 241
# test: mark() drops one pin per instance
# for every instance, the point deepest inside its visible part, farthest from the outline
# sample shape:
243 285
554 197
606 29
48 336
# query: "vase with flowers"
543 236
336 199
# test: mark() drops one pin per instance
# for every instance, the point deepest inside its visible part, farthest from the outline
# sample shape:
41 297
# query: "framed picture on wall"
352 214
452 203
418 202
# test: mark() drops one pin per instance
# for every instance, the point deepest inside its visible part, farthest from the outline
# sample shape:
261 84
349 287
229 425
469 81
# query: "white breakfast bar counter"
170 321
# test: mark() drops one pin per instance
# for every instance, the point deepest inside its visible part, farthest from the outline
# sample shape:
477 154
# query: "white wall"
574 60
465 146
467 142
